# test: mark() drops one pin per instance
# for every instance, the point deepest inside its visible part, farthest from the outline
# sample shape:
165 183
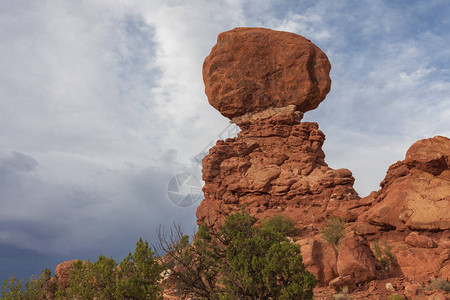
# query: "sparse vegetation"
384 255
136 277
238 260
333 230
343 295
279 223
440 284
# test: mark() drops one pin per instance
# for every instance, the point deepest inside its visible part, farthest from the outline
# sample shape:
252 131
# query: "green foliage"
81 282
280 224
136 277
384 255
13 288
240 260
139 274
395 297
35 286
333 230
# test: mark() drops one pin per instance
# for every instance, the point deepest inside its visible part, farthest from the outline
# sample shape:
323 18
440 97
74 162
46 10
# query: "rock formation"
264 80
415 192
411 211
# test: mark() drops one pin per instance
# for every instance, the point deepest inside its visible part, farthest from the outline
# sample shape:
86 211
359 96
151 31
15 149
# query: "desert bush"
81 283
333 230
343 295
238 260
279 223
440 284
384 255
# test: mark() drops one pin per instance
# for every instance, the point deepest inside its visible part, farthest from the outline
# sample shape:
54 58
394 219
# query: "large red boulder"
415 193
357 260
251 69
320 258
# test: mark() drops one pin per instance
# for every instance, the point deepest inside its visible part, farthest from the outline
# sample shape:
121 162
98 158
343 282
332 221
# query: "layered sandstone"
275 165
265 80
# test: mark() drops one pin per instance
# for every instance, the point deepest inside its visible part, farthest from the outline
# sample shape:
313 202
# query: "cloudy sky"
102 103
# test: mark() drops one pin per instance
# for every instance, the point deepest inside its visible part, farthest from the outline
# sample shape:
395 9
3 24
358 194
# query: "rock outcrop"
411 211
251 69
415 192
356 260
276 164
264 80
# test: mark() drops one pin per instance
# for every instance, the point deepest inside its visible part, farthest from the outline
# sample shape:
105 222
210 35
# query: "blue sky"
102 103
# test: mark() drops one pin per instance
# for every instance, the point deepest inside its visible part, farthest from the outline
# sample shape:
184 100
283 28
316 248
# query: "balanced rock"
265 80
251 69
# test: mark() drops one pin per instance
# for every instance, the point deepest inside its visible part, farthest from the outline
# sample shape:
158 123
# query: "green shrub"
333 230
280 224
240 260
137 277
139 274
36 285
81 282
384 255
13 288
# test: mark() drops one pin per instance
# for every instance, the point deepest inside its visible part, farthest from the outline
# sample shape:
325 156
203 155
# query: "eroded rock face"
320 258
411 211
275 165
415 192
251 69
